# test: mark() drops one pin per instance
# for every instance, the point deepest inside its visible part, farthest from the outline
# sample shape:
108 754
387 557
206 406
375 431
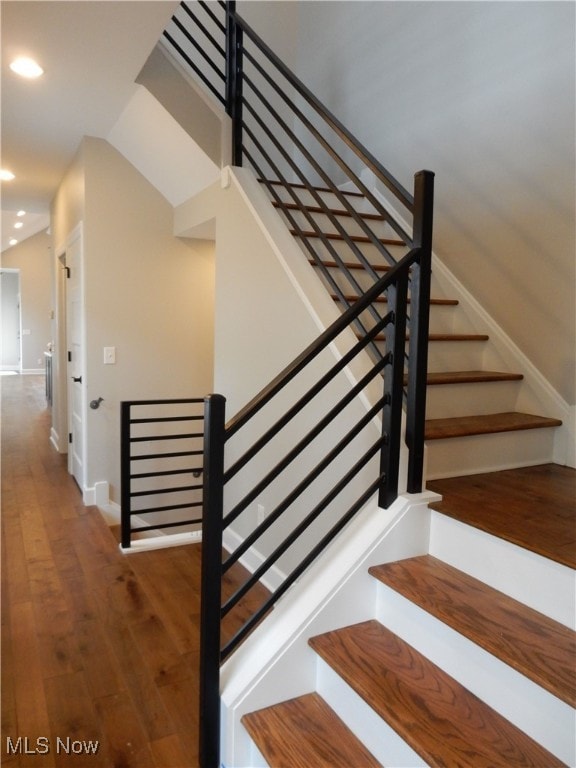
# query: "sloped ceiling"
91 53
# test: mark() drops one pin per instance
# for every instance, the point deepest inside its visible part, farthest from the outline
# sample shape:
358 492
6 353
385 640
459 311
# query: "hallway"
96 646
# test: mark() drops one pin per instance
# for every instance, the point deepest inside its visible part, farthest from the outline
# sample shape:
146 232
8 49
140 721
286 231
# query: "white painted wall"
33 258
148 294
482 94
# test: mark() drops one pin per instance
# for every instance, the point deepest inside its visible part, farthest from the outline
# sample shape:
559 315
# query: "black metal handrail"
275 120
152 471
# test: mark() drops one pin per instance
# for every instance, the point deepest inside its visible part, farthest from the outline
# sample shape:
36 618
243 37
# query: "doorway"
11 340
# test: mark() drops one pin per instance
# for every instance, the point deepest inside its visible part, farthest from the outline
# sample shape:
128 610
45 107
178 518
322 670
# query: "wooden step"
464 426
351 265
382 300
353 238
525 493
442 337
441 720
296 185
529 642
333 211
306 733
470 377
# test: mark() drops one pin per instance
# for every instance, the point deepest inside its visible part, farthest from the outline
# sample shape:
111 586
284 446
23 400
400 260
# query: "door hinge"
69 437
67 272
69 357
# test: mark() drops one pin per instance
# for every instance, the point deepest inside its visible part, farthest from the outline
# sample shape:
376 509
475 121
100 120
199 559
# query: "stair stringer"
535 393
277 663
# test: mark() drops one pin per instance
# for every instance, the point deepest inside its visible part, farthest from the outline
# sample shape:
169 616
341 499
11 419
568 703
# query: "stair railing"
301 152
161 453
222 508
294 144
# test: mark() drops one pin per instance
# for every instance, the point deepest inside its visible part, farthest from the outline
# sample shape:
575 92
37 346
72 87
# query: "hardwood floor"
533 507
97 646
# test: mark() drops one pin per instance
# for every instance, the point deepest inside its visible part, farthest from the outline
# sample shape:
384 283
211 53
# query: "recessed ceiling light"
6 175
18 225
21 213
13 241
26 67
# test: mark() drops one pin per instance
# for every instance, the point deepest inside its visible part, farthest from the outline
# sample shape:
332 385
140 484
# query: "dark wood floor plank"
306 732
437 717
107 644
533 507
536 646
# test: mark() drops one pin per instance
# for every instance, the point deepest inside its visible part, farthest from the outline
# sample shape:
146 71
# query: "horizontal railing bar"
165 525
310 436
136 512
194 66
317 346
303 485
157 438
166 419
303 401
159 492
385 176
173 455
166 473
297 572
177 401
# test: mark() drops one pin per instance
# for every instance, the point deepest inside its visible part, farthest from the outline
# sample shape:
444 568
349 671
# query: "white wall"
147 293
482 94
33 258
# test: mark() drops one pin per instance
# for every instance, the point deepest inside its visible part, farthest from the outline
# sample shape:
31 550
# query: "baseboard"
252 560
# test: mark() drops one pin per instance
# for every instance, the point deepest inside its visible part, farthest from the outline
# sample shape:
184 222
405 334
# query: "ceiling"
91 53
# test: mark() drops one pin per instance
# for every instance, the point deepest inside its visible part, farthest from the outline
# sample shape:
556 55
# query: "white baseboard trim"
162 541
252 559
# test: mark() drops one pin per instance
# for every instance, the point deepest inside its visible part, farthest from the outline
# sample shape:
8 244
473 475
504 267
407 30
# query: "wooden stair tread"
442 721
296 185
333 211
442 337
462 426
539 502
351 265
306 732
353 238
383 299
534 645
470 377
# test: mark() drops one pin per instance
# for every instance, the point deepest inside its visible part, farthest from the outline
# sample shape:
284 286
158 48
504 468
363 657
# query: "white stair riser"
488 453
538 713
448 400
539 583
455 355
376 735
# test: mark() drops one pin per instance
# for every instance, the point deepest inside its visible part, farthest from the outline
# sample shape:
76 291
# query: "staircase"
449 672
472 421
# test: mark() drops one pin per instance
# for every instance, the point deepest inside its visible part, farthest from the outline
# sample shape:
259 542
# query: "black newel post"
209 747
234 79
419 325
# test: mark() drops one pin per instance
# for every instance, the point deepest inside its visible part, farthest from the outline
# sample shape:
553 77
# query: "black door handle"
77 379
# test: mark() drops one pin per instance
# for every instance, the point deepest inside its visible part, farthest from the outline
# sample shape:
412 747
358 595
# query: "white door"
75 367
